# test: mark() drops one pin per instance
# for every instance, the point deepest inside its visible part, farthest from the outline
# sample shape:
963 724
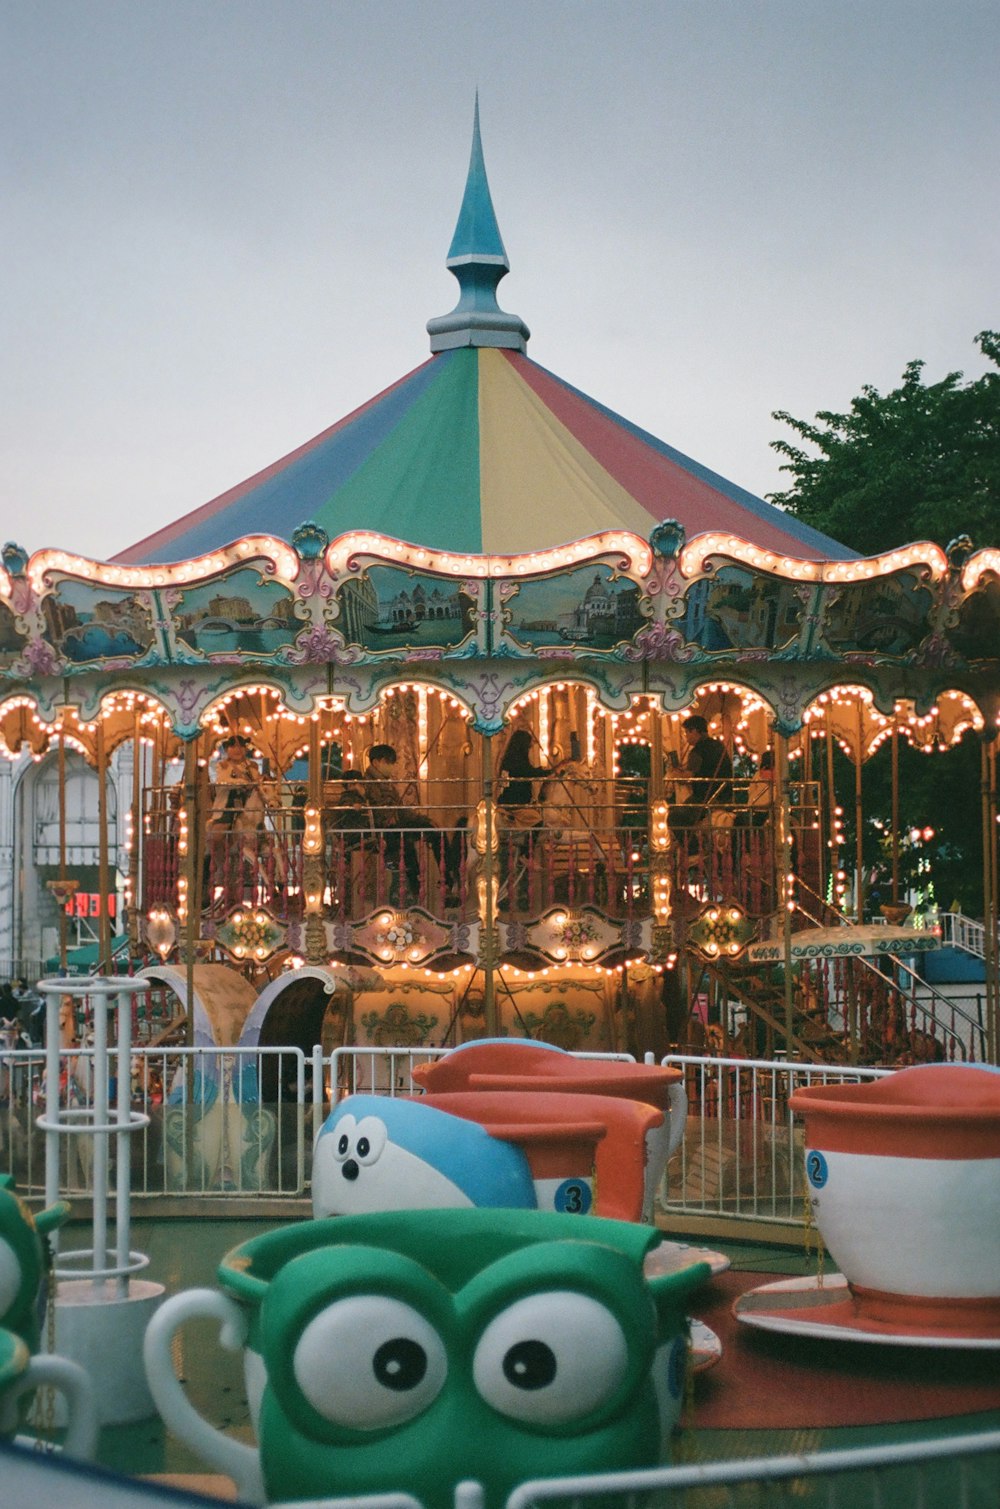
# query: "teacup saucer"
809 1307
674 1257
706 1348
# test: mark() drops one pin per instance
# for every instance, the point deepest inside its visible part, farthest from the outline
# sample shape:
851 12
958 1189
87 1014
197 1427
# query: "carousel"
486 713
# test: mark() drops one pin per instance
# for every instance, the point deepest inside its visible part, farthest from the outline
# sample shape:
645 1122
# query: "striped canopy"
482 450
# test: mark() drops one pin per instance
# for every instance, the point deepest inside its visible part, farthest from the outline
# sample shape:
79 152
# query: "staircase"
877 1002
964 933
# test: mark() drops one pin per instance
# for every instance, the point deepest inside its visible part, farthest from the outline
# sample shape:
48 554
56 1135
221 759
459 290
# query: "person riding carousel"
237 807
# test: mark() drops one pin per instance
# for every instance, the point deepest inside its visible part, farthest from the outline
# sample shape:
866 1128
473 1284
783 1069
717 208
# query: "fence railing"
965 933
225 1122
236 1122
741 1155
960 1471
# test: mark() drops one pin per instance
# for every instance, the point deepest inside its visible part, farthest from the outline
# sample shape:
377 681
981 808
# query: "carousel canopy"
481 449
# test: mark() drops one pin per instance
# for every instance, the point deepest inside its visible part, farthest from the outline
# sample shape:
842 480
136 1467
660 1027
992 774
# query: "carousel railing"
583 842
887 1009
730 850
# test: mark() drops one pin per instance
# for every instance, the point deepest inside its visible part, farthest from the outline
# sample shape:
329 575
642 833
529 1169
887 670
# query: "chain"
811 1237
44 1407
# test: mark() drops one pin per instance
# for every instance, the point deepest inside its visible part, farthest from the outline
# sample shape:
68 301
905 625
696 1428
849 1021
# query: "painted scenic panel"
590 607
885 617
390 608
240 613
12 641
87 622
976 634
743 610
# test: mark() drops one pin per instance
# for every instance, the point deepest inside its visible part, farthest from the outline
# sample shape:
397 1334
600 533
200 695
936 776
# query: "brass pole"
487 948
63 919
190 877
103 868
895 815
832 818
135 857
990 961
994 902
859 862
784 888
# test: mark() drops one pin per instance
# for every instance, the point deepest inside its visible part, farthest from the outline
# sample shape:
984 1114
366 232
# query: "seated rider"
708 771
517 786
390 812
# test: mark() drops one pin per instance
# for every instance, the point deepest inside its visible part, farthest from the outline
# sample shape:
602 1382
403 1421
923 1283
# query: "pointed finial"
478 260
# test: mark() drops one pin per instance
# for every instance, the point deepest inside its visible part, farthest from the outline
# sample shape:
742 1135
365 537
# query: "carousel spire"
478 260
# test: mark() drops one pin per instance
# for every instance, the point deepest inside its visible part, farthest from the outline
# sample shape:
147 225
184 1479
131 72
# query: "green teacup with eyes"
412 1350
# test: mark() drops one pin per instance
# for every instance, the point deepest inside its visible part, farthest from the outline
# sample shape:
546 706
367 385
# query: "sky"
224 222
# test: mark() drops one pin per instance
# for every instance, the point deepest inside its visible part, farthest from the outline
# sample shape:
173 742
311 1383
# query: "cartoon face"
375 1154
419 1363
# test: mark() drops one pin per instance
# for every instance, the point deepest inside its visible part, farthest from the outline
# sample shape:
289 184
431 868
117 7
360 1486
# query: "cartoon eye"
345 1130
369 1361
551 1358
370 1140
10 1276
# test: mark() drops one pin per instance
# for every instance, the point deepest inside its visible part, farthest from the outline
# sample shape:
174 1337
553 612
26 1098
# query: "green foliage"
939 791
919 463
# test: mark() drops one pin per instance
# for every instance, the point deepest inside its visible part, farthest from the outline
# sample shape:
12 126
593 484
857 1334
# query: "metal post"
487 948
784 888
103 866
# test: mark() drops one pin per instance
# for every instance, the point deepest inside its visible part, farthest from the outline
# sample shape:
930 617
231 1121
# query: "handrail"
965 933
928 1021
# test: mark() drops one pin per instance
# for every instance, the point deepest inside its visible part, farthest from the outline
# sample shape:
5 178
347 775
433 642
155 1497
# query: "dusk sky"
225 221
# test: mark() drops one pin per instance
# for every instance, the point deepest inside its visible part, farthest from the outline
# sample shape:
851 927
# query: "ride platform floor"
185 1254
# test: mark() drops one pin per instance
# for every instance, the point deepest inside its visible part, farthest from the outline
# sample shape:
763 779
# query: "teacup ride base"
903 1178
414 1350
826 1309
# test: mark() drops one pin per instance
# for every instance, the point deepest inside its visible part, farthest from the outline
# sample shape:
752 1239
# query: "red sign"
88 904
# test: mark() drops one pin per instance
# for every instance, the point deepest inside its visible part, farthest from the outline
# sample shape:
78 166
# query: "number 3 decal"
573 1197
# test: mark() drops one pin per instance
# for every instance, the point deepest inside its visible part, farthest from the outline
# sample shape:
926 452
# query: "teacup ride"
24 1270
410 1351
512 1065
903 1176
569 1153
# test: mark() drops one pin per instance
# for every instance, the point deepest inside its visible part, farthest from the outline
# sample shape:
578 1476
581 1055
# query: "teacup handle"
234 1458
70 1380
678 1104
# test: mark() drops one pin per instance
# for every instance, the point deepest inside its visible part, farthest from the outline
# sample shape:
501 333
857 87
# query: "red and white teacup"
903 1175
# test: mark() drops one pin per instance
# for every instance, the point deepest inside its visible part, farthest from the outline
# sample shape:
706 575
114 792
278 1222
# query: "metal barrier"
959 1471
741 1155
388 1071
221 1121
240 1121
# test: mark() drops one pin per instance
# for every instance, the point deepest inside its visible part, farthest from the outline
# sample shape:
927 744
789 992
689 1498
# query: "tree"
919 463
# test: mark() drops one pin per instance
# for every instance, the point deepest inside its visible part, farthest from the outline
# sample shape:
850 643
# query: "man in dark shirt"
708 771
391 815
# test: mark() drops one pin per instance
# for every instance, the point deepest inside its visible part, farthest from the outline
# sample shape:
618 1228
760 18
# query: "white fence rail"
961 1472
741 1155
222 1122
236 1122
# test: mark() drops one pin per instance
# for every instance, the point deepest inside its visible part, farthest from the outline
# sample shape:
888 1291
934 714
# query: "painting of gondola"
591 608
889 618
87 623
238 614
388 608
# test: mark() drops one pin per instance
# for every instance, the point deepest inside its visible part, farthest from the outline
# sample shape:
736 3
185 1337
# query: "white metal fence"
960 1472
235 1122
741 1155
